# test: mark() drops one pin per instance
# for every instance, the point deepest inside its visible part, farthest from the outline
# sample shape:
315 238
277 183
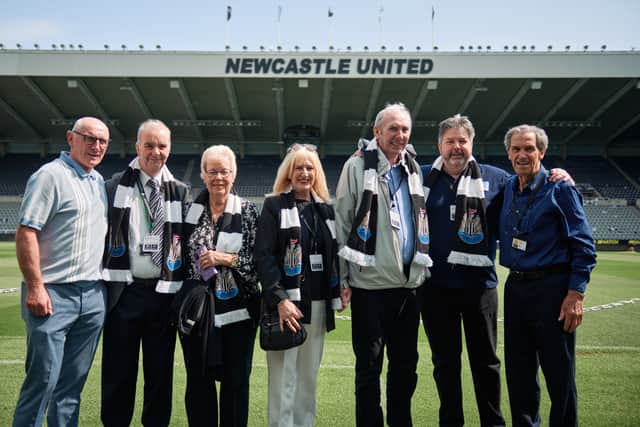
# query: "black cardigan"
269 257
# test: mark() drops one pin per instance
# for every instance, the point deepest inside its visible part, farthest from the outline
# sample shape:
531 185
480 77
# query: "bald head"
88 142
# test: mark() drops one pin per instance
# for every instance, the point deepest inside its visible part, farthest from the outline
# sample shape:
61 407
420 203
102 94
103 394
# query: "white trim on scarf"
123 197
331 225
111 275
168 287
229 317
294 294
470 187
173 211
357 257
194 213
289 218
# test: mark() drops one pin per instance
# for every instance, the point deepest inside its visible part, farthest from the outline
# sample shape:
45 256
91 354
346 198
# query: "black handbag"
271 338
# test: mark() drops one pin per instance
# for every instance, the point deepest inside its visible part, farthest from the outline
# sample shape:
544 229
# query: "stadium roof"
589 102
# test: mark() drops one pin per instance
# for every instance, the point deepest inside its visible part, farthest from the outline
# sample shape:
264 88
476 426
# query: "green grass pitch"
608 360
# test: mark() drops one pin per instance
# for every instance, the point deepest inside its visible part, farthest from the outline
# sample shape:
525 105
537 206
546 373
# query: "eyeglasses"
90 139
224 173
308 147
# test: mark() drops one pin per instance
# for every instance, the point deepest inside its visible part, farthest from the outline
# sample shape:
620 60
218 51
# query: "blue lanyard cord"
395 189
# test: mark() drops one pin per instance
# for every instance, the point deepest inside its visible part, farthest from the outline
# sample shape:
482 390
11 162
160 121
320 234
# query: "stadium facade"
258 102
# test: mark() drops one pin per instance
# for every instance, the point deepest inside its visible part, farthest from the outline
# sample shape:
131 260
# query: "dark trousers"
382 318
140 316
534 337
236 341
444 311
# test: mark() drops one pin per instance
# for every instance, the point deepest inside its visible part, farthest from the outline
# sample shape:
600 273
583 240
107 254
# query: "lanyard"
394 192
516 212
147 209
313 231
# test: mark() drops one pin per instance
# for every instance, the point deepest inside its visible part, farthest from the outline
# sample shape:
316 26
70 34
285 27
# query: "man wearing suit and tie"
144 268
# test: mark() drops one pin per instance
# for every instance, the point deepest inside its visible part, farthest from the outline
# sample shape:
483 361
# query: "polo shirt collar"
66 158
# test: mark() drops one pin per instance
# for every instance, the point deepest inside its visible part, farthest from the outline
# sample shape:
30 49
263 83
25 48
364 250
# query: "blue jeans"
60 350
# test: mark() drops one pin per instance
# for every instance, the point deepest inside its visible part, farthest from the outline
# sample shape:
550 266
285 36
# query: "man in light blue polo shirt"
59 245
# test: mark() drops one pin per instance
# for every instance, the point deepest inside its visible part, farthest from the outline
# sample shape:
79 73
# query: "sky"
203 26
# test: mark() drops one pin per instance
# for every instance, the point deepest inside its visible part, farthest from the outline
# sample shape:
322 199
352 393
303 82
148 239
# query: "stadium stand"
631 165
9 217
595 177
16 169
614 222
602 176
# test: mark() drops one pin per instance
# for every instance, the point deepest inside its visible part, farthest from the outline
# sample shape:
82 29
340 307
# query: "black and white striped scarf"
116 262
470 242
361 244
230 304
292 265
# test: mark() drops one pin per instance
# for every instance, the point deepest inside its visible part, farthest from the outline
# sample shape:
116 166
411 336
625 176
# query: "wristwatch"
234 261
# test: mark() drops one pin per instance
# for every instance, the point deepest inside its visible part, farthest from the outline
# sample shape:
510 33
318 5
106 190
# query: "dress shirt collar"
537 181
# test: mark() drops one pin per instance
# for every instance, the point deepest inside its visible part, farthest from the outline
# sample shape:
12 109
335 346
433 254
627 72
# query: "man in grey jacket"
382 229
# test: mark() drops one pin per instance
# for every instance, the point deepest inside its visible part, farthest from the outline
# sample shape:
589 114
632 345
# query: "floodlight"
174 84
536 85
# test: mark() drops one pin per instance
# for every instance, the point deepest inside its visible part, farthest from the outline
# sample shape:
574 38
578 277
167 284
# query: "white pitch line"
608 306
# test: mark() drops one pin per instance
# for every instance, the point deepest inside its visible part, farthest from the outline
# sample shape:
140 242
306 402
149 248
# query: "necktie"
157 210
